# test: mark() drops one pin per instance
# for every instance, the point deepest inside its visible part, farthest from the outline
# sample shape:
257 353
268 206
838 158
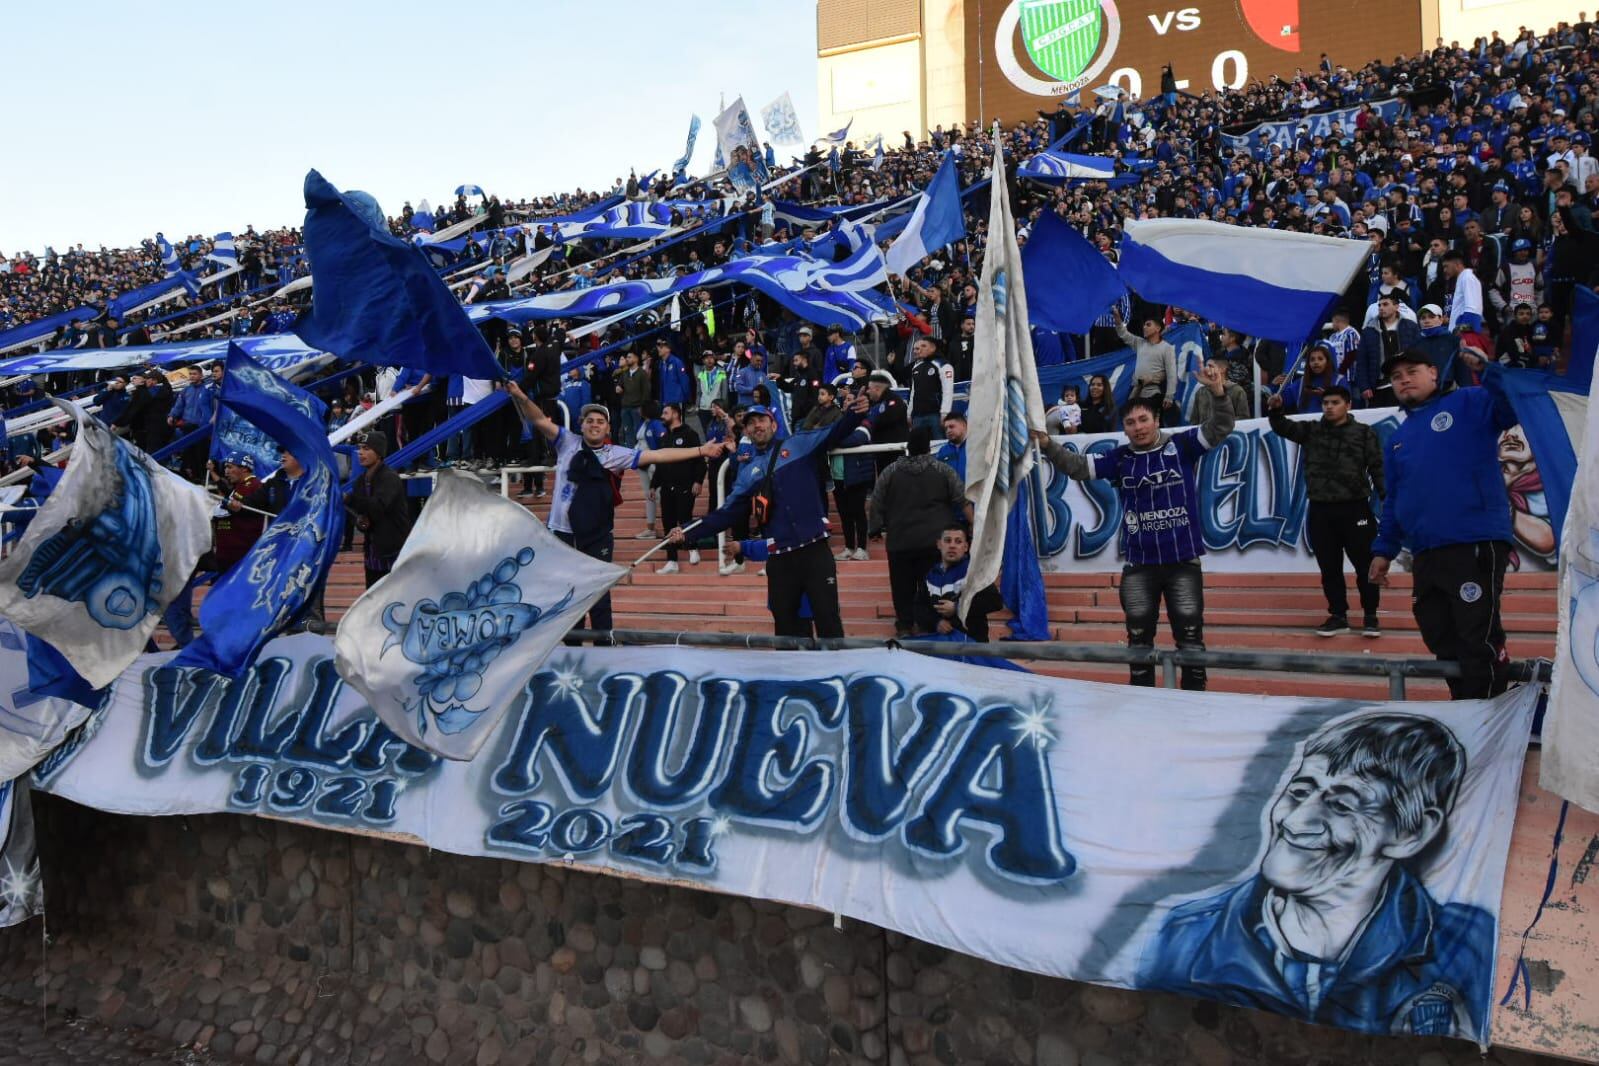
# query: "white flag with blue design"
111 547
480 595
782 121
223 250
1005 400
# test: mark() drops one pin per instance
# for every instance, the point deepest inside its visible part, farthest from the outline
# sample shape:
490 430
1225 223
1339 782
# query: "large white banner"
1252 504
1337 862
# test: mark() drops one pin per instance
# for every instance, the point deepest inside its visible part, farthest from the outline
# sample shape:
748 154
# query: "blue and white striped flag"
1005 404
839 135
169 256
781 121
876 146
681 166
223 251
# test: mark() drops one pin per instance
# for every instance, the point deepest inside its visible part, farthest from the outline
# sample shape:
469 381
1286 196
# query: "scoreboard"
1023 55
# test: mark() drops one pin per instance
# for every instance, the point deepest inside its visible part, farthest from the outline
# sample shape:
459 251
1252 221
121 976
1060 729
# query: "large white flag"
480 595
781 121
1570 765
112 546
1005 398
734 130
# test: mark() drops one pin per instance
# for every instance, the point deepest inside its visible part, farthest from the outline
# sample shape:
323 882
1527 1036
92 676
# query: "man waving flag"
1005 403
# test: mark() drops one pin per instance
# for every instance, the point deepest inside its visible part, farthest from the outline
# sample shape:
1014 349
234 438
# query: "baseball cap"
1408 355
1431 309
758 409
1581 138
243 461
806 331
594 409
1521 244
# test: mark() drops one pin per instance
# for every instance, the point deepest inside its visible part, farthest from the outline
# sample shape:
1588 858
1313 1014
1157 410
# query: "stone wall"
276 943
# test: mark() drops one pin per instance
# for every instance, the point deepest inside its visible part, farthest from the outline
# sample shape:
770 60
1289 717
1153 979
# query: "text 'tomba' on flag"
480 595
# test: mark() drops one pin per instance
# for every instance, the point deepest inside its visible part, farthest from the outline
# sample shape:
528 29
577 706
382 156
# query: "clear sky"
197 117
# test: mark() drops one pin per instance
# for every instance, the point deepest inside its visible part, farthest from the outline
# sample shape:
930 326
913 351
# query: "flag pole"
664 543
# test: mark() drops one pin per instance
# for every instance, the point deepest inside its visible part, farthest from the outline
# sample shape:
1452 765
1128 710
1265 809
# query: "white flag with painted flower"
480 595
112 546
1005 399
782 121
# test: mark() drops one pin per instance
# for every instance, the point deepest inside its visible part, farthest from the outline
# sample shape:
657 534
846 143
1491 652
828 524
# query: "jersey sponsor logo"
1442 421
1158 521
1154 479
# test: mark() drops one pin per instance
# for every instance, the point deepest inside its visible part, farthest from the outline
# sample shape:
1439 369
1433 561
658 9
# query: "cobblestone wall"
274 943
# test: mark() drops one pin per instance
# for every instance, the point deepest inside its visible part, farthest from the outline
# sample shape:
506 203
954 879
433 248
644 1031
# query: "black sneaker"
1334 625
1371 628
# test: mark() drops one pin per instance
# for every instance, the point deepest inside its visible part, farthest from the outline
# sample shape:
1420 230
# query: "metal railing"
1397 671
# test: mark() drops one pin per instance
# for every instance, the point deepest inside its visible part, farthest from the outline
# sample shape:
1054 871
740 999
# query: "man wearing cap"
1519 281
887 414
1446 502
814 355
583 509
779 493
379 504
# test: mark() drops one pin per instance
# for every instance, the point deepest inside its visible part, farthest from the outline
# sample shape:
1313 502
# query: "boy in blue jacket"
1446 502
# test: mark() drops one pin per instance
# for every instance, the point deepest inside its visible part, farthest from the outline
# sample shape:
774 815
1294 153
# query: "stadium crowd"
1478 202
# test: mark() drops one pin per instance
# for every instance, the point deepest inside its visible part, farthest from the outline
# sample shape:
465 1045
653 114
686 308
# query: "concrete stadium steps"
1271 612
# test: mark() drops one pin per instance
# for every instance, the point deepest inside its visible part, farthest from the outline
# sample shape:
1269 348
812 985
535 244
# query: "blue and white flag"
876 145
1571 727
1319 124
634 220
817 291
781 121
735 131
1069 283
482 592
111 547
223 250
1066 166
469 190
234 436
838 136
375 298
1005 404
36 717
681 166
1116 367
1263 282
271 587
937 221
173 266
169 256
21 880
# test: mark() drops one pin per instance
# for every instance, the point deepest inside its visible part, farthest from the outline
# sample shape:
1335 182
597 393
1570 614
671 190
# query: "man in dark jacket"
144 420
1343 466
1446 502
801 383
779 492
1385 338
380 507
913 500
678 483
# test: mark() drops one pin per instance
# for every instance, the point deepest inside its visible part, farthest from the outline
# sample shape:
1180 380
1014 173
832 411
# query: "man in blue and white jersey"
1162 537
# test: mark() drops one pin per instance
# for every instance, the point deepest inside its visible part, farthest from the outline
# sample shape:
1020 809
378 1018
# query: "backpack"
595 493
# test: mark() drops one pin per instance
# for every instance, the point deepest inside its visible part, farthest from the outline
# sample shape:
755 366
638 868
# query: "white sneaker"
761 572
844 555
729 569
860 555
693 558
644 534
669 568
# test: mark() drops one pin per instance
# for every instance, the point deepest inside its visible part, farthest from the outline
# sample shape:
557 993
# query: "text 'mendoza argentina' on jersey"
1160 504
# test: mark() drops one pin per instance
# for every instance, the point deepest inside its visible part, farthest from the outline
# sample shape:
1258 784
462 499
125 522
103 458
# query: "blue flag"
1117 367
1584 337
273 584
681 166
49 674
375 298
1021 582
235 437
1069 284
937 220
